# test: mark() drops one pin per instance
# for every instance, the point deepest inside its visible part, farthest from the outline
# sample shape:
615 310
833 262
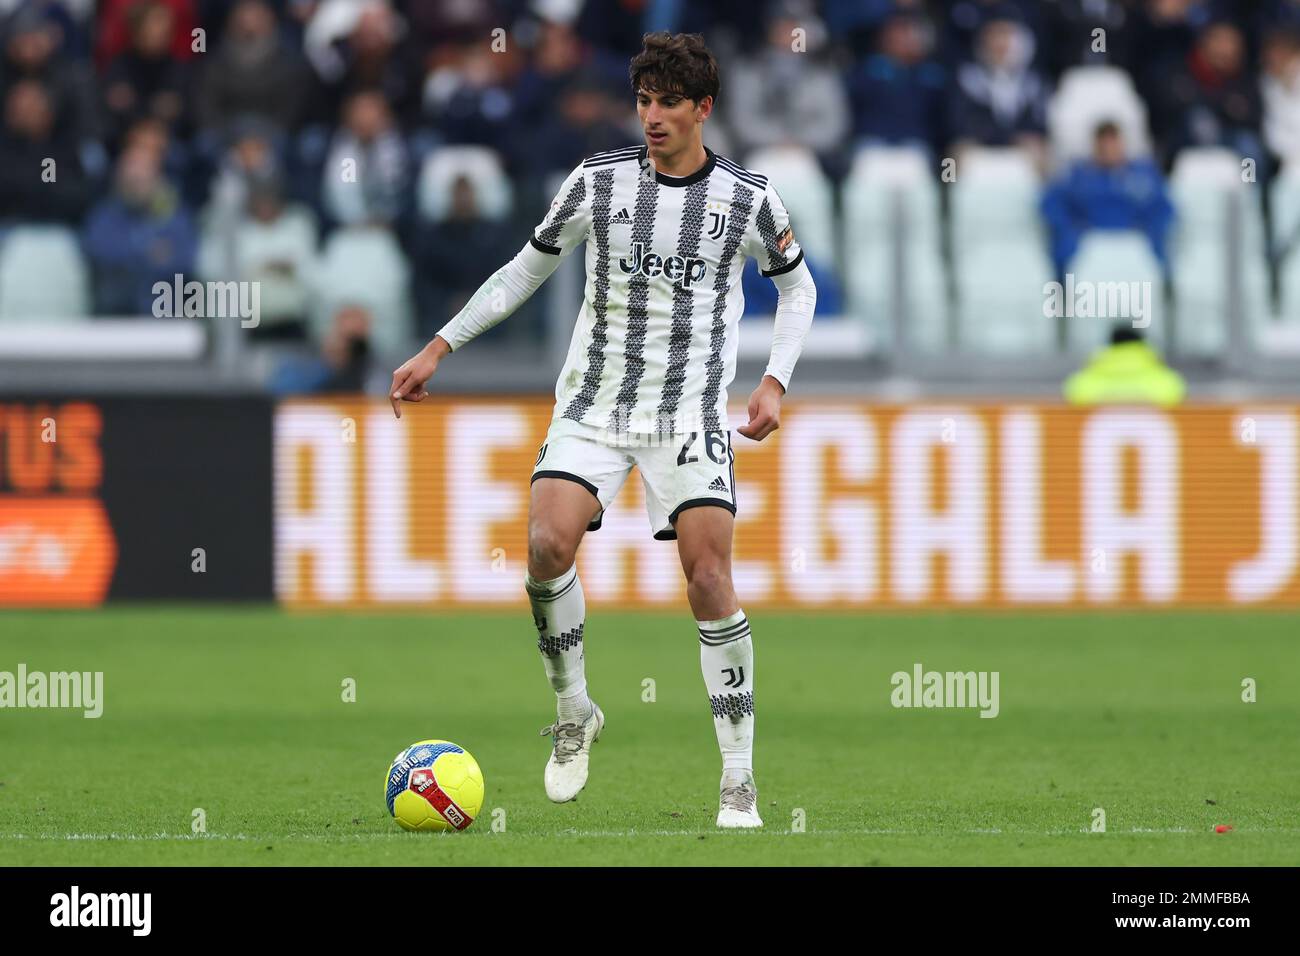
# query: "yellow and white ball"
434 785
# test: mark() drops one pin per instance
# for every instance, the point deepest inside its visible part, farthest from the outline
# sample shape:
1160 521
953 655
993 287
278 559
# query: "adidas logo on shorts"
717 484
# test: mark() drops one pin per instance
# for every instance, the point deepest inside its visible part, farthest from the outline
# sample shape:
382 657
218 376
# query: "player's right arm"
564 228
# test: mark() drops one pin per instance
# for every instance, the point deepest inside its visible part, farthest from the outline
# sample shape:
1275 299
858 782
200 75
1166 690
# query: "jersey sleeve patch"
784 239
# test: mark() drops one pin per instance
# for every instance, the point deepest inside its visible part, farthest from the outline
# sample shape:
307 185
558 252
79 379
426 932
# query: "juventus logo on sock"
727 663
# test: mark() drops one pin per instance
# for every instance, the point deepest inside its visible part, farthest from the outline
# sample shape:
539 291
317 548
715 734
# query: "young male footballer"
668 226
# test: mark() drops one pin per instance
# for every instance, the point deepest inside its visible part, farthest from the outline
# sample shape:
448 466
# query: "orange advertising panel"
850 504
56 545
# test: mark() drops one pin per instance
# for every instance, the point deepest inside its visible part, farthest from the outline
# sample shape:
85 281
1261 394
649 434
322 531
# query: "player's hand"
764 409
409 379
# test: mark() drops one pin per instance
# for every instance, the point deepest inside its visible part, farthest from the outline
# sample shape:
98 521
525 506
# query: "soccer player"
668 226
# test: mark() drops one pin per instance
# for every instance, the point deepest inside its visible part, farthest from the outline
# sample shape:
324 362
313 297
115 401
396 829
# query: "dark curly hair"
675 63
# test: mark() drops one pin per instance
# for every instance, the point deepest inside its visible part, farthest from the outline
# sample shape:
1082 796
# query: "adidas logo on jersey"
679 269
717 484
622 217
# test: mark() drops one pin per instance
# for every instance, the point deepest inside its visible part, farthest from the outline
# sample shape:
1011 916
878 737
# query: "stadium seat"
1202 185
995 193
806 192
1284 208
365 266
1106 257
254 250
1199 174
1000 300
43 275
881 181
1000 260
480 164
1087 96
1288 294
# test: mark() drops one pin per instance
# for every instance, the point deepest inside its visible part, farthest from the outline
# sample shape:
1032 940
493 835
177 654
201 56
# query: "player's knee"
550 553
710 577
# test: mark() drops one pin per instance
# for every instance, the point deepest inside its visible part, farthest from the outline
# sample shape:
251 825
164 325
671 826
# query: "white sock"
560 613
727 662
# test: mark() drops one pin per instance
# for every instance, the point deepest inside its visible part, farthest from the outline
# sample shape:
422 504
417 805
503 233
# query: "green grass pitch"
240 712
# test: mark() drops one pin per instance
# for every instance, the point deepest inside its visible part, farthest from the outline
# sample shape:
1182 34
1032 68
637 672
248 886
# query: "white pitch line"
604 834
922 833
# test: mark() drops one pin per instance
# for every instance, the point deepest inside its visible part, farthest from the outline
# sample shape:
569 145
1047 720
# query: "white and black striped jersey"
654 348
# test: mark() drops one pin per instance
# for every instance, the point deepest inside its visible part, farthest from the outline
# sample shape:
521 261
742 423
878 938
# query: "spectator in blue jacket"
1109 191
897 93
140 235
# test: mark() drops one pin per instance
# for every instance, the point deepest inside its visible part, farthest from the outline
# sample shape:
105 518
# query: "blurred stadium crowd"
371 162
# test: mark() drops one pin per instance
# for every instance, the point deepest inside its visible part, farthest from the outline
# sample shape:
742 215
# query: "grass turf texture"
239 712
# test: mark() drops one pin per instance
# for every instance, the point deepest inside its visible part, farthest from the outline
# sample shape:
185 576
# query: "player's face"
670 120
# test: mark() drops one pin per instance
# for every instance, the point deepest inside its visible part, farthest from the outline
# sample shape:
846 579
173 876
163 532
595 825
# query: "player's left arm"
780 258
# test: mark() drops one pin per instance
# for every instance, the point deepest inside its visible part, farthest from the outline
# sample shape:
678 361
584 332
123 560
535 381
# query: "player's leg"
573 480
690 496
558 515
559 512
704 536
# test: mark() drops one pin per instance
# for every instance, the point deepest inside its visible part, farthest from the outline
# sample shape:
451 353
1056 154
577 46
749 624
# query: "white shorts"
679 471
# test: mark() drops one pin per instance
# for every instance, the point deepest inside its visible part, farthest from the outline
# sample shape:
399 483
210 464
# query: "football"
434 785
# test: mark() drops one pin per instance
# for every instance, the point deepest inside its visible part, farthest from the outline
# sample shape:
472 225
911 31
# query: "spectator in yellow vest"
1126 372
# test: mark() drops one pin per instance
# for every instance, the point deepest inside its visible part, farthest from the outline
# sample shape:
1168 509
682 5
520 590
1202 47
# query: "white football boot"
566 770
738 801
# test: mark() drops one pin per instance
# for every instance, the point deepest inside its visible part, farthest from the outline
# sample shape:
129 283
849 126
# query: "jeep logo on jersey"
679 269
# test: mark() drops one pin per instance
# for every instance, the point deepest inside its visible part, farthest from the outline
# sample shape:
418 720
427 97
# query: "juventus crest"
716 224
